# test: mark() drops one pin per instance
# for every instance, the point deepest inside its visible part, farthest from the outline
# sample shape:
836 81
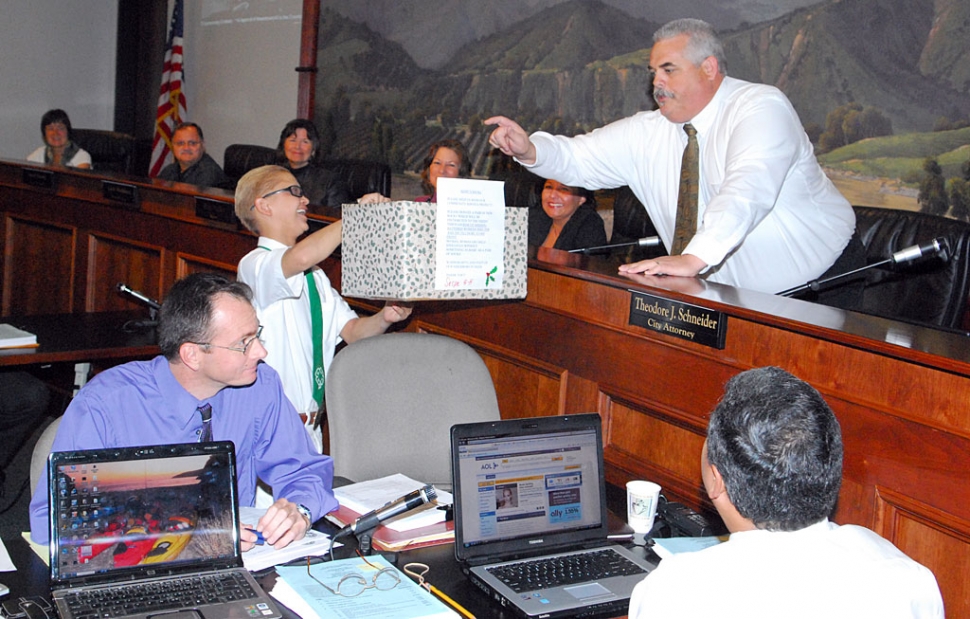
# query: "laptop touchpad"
589 590
178 614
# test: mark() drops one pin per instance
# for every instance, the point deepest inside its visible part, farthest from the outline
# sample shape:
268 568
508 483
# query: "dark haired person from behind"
59 147
192 164
297 151
772 466
567 219
210 362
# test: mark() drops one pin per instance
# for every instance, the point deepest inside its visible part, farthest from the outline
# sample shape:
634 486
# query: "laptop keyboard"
187 592
565 570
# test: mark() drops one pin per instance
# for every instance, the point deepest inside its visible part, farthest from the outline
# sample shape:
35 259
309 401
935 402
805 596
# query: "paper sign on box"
389 253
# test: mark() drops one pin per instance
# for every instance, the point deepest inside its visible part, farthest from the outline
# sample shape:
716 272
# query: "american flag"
171 97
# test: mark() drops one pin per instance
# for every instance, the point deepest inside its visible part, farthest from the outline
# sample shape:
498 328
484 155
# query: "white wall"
55 54
239 66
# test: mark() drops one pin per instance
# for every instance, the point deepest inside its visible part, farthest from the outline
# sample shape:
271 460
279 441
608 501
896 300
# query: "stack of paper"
666 547
259 558
305 596
423 526
12 337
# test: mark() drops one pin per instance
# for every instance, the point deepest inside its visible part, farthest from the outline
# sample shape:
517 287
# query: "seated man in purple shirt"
211 355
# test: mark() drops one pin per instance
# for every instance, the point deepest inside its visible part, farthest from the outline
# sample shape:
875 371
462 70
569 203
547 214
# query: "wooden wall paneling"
113 260
38 267
900 391
650 441
187 264
525 387
932 537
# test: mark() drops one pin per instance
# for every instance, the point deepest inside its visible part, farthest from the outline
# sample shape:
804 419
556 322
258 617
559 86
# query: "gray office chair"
391 402
42 449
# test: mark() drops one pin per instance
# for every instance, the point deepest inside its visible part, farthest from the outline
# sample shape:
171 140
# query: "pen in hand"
260 540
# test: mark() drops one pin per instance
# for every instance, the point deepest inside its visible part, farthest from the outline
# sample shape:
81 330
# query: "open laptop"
126 523
530 490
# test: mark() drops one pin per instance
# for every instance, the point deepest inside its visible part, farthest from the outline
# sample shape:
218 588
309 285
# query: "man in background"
192 164
772 466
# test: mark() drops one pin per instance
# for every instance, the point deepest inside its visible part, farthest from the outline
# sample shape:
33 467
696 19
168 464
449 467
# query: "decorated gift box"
389 250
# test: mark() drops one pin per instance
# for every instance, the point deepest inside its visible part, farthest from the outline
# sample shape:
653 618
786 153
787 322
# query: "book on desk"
427 525
12 337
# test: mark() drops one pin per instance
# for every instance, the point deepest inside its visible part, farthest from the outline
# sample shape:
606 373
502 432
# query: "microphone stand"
153 307
647 241
938 246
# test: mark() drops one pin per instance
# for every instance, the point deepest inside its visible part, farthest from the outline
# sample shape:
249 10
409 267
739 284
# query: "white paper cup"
641 507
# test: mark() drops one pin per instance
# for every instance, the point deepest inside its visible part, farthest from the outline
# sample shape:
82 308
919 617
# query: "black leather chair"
241 158
631 223
522 188
362 177
110 151
930 291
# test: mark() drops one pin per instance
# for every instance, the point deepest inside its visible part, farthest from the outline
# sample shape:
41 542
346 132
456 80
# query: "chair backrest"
362 177
391 402
42 449
523 188
110 151
631 223
241 158
932 291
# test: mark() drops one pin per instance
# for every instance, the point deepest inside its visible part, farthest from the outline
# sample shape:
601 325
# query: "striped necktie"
206 412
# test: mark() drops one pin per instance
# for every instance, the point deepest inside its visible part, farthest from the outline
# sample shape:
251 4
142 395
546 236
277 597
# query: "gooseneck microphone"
398 506
647 241
936 247
134 293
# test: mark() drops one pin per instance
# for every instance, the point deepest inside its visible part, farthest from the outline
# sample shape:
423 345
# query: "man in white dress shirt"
772 466
768 218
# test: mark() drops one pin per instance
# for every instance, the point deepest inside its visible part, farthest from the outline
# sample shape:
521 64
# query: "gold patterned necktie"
686 225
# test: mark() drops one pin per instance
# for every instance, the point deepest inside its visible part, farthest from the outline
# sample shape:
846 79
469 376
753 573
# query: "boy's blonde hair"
255 183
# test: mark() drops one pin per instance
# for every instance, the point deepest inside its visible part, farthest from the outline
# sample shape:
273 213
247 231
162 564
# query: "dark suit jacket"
205 173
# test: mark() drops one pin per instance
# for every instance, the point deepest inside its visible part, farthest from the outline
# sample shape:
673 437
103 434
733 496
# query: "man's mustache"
661 92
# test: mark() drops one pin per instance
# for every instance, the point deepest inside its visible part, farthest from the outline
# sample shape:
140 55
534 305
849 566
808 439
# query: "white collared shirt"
824 570
769 219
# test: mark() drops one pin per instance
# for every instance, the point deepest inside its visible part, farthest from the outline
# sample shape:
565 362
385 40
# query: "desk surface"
31 577
80 338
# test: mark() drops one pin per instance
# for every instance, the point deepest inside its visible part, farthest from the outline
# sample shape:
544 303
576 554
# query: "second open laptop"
530 516
149 531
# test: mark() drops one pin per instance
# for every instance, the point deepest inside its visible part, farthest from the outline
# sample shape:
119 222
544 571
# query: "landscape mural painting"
881 86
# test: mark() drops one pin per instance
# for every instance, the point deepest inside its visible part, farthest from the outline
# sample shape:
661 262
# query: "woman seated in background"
59 147
446 159
567 219
296 151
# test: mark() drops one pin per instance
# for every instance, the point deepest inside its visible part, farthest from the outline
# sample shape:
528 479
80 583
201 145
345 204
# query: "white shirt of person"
81 157
768 217
822 571
283 309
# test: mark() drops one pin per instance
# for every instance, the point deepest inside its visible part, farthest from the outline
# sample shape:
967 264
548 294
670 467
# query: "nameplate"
38 178
215 210
120 192
678 319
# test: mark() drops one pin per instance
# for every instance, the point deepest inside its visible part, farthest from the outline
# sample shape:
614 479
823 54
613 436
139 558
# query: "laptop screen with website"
524 486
